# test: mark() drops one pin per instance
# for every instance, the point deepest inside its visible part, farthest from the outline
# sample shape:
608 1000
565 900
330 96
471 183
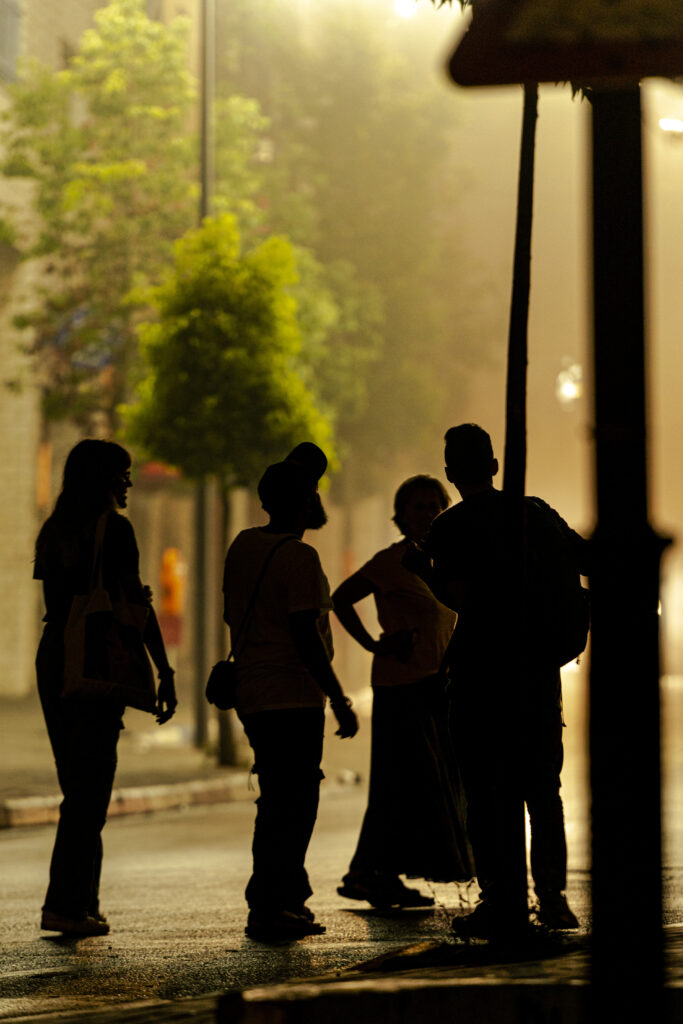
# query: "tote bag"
104 651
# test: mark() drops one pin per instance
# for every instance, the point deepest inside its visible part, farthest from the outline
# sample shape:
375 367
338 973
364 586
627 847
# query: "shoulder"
390 556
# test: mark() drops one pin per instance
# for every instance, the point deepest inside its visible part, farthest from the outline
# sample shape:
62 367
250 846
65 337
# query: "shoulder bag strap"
97 571
252 600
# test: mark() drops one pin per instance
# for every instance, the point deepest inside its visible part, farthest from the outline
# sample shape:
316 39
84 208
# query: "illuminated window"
9 38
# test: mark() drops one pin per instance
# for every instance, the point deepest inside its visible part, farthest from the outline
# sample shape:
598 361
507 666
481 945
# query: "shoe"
303 911
553 912
50 922
405 897
377 897
488 922
383 896
281 925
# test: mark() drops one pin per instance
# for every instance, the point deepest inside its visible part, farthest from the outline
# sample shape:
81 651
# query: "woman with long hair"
414 822
84 729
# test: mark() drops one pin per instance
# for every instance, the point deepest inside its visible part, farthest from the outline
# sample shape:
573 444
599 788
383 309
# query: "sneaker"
50 922
488 922
554 912
279 926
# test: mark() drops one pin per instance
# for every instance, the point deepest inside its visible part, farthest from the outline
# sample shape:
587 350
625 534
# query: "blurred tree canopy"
223 393
106 146
362 167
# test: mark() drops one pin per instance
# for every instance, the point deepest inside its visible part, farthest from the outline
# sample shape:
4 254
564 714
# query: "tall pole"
624 679
207 76
515 457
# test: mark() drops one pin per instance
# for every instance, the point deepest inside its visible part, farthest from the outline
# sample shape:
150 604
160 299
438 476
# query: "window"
9 38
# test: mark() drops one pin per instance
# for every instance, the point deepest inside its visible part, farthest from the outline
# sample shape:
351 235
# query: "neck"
285 525
467 490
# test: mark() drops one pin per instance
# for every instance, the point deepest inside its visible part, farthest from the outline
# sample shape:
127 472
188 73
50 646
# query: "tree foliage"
364 172
106 147
224 392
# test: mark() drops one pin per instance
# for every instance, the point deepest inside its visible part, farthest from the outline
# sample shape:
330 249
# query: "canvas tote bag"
104 651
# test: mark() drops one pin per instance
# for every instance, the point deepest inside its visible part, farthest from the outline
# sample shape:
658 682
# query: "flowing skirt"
414 824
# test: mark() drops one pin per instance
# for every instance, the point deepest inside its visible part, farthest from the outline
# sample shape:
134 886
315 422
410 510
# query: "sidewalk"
159 768
546 981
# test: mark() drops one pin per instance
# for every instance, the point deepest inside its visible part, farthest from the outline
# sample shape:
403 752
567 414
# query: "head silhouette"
93 474
417 502
289 494
469 456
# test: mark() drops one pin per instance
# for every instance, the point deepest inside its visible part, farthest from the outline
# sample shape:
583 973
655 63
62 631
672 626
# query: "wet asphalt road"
173 892
173 888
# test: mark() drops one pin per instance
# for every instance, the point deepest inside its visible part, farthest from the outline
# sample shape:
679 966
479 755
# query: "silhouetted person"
414 823
505 691
84 729
284 674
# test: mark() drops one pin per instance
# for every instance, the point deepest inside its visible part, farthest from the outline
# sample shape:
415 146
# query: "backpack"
556 605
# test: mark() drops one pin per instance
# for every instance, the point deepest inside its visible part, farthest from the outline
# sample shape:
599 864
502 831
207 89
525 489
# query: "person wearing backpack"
518 617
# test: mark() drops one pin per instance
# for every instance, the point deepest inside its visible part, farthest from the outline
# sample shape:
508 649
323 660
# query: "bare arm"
450 592
347 594
311 649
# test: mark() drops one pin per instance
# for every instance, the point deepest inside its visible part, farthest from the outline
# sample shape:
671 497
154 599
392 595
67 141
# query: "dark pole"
515 412
206 71
515 452
624 679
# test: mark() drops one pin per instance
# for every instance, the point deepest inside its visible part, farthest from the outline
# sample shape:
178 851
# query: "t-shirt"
404 602
64 563
270 673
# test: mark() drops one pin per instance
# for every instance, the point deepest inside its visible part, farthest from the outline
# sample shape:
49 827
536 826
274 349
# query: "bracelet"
341 700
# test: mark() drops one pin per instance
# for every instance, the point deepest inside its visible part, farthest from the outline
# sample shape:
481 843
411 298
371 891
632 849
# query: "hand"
166 698
346 718
398 644
147 592
416 560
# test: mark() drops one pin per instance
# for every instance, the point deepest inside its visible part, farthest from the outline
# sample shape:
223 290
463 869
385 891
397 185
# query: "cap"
310 457
285 485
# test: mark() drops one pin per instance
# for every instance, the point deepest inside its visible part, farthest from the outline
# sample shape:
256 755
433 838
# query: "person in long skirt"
414 824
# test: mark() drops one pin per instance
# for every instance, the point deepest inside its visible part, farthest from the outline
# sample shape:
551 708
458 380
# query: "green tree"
106 145
365 172
224 392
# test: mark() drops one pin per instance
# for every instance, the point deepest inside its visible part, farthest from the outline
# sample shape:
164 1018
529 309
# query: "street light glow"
569 383
671 124
405 8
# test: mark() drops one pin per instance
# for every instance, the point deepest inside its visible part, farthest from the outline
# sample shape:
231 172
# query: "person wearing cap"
284 676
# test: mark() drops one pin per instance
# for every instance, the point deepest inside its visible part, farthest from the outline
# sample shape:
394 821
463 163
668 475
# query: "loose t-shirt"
404 602
270 673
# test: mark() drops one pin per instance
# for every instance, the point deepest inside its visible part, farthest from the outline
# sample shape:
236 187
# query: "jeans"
84 734
511 756
288 746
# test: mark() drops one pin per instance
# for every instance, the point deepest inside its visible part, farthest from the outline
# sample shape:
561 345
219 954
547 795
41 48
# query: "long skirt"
414 824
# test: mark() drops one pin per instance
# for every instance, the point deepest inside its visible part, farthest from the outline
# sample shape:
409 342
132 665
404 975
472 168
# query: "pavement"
159 768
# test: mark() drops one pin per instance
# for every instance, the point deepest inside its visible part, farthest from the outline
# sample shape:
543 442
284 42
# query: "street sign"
601 42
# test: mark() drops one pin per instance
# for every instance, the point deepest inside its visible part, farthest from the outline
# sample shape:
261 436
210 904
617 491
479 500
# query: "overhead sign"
586 41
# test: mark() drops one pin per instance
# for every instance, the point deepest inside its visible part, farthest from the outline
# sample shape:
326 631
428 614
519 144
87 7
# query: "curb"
44 810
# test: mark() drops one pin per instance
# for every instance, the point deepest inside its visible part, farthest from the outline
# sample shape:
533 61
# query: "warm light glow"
405 8
569 383
671 124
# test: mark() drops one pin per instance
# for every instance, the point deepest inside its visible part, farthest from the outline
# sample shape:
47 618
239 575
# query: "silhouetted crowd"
479 605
